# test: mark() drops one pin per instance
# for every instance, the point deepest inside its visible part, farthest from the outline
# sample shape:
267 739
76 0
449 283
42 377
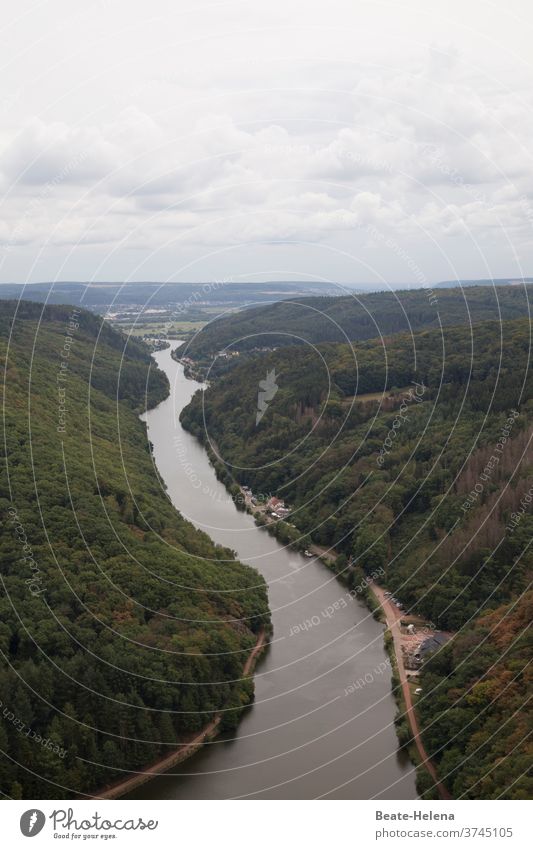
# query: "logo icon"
32 822
267 390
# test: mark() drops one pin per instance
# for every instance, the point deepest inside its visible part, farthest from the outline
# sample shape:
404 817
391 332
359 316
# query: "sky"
350 141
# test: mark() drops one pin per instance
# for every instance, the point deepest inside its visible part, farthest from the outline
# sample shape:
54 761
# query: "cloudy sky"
341 140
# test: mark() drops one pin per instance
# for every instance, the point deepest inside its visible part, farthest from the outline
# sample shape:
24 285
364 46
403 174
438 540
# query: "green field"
174 329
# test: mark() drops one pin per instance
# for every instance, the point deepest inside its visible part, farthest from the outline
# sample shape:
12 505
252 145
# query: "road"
393 617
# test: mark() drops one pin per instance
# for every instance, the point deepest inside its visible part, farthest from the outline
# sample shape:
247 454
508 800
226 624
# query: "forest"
123 628
353 317
478 720
410 456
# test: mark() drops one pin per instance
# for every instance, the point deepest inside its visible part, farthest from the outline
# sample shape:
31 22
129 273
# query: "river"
310 732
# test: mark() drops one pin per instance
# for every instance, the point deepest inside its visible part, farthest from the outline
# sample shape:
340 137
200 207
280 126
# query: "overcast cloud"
353 141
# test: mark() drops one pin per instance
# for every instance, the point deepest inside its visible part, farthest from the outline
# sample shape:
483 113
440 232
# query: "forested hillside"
355 318
479 718
411 456
123 628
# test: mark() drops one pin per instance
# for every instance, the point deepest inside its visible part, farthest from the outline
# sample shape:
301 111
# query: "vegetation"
479 717
355 318
123 628
412 459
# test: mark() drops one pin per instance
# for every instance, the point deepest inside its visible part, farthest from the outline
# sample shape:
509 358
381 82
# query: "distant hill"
102 296
356 317
500 281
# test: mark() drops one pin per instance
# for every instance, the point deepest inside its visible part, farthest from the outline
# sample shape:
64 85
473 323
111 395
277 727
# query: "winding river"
310 732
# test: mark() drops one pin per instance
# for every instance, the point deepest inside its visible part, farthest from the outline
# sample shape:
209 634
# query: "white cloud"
258 124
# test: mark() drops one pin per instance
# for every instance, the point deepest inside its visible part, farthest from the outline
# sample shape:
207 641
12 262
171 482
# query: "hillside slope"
123 628
355 318
479 715
413 459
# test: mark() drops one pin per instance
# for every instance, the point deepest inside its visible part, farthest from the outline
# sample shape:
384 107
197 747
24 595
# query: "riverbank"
188 747
307 735
393 619
376 599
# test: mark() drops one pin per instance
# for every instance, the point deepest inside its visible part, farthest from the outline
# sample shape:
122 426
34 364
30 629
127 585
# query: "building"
432 644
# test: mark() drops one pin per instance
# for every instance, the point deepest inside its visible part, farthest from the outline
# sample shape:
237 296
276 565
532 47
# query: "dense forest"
410 456
123 628
354 318
479 718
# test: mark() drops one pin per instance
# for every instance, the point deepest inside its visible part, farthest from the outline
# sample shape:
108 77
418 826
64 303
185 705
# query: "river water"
310 733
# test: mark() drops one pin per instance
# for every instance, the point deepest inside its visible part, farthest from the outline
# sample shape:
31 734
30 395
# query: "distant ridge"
99 295
357 317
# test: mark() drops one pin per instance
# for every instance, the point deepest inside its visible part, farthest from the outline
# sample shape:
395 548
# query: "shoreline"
392 623
373 602
393 628
186 749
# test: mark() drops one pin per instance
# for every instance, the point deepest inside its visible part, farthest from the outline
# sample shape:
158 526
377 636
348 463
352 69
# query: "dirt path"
187 748
257 649
393 623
